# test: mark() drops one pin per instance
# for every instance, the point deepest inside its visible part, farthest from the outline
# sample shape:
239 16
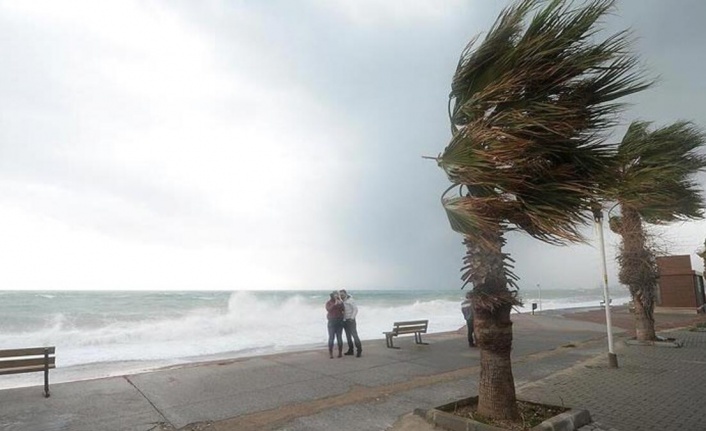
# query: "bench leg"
388 340
418 338
46 374
46 383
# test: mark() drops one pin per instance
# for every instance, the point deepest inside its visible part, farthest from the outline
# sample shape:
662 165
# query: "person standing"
334 314
349 324
467 310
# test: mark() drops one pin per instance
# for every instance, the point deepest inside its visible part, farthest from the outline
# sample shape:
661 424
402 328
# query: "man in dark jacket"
467 310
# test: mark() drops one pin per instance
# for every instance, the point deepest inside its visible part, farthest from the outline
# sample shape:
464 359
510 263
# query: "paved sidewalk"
307 391
654 388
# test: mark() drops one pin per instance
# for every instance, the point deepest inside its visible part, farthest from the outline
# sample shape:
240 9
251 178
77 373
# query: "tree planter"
444 417
700 327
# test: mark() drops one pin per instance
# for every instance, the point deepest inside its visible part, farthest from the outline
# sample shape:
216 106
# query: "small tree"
653 184
701 252
527 106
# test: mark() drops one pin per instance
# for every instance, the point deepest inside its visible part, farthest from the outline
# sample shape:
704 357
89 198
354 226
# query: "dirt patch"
623 319
197 426
531 415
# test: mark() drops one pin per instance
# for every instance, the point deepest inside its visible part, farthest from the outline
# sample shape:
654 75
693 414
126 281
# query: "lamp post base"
612 360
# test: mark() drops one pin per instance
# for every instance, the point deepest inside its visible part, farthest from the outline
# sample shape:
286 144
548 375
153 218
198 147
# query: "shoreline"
622 322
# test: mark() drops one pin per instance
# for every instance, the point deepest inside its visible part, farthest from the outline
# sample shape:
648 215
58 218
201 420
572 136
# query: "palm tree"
527 108
653 184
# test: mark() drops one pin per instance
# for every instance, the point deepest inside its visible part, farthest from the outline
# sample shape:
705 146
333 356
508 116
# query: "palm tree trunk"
644 322
496 387
638 271
492 303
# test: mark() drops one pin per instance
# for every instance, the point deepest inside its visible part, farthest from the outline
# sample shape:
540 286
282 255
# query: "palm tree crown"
656 172
527 108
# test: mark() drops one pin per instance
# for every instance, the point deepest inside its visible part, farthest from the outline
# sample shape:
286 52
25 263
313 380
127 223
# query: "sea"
107 333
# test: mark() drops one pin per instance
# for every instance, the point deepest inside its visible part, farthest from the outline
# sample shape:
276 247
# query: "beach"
304 390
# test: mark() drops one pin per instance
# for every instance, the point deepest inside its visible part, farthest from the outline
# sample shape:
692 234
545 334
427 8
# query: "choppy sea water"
101 333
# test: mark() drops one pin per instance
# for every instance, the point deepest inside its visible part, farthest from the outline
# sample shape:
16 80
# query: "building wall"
677 282
677 290
674 265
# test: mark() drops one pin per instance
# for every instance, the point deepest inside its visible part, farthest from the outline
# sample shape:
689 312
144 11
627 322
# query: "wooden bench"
416 327
30 360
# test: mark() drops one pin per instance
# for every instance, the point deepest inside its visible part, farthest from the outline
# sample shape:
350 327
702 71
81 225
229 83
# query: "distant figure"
334 314
467 310
349 323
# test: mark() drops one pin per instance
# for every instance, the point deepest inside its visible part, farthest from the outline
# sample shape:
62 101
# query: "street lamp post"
598 218
539 289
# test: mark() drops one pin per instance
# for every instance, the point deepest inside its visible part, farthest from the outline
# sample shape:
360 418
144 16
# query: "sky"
269 144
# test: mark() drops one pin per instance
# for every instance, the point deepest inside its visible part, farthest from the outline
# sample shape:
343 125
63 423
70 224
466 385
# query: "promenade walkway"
655 388
555 359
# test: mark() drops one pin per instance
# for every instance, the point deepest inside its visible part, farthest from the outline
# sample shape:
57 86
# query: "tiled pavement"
654 388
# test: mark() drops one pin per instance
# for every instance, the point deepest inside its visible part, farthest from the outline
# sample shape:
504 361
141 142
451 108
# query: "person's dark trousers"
351 328
335 329
469 325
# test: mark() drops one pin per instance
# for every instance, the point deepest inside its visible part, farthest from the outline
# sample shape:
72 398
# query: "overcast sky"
266 144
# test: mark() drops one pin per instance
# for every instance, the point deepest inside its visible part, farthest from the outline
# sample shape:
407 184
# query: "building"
678 284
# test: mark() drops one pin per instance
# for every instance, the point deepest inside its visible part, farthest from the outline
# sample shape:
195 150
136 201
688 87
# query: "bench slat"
18 370
410 330
409 326
32 351
411 322
27 362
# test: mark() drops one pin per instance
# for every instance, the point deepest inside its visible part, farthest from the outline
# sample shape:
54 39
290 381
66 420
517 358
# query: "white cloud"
374 12
157 151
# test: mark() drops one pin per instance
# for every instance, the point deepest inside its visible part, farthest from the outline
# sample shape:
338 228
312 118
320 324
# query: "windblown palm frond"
656 172
528 106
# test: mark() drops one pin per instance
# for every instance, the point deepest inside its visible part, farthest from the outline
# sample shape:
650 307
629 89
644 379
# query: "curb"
570 420
673 343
